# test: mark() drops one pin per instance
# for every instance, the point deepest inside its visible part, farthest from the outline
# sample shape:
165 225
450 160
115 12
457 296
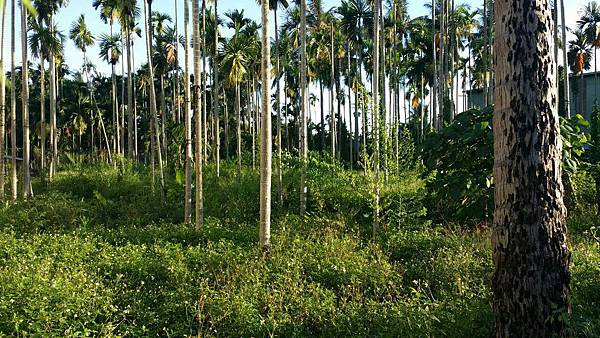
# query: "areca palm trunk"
567 91
2 103
42 116
198 112
529 235
303 108
163 116
121 127
215 91
25 104
188 119
332 99
278 107
238 129
322 117
204 107
130 145
226 124
376 113
53 131
148 23
266 141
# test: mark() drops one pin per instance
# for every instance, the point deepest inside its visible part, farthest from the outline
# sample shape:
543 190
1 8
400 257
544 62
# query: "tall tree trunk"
130 145
376 114
529 237
42 117
2 102
567 90
278 107
226 124
198 111
238 116
187 218
332 94
25 104
148 24
121 122
322 117
204 107
266 141
53 129
303 108
485 54
215 91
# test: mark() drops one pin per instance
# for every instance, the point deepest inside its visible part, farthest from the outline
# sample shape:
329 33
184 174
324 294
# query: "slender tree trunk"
123 87
53 130
266 141
303 108
238 116
25 104
322 117
529 237
376 114
567 91
204 107
278 107
148 23
198 111
187 218
226 124
42 117
215 91
130 145
332 99
2 103
163 116
485 54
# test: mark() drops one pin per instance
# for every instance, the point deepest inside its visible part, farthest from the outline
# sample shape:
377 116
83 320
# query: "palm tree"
197 112
13 103
128 13
215 89
235 61
25 104
41 41
579 56
266 139
111 51
566 89
529 234
303 107
83 38
188 119
588 23
2 102
376 108
153 110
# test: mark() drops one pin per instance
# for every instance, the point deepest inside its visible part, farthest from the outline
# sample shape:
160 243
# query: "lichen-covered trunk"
531 278
25 104
303 108
153 110
266 141
187 218
197 112
2 103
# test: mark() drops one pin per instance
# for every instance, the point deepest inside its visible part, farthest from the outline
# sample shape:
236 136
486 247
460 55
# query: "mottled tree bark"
266 141
531 278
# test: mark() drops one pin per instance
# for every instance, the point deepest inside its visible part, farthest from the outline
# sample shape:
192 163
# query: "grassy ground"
97 253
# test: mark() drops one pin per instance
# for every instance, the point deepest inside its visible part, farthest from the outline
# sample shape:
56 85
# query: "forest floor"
97 253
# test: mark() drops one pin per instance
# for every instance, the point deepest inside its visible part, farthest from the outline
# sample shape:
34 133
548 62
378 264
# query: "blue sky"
252 10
